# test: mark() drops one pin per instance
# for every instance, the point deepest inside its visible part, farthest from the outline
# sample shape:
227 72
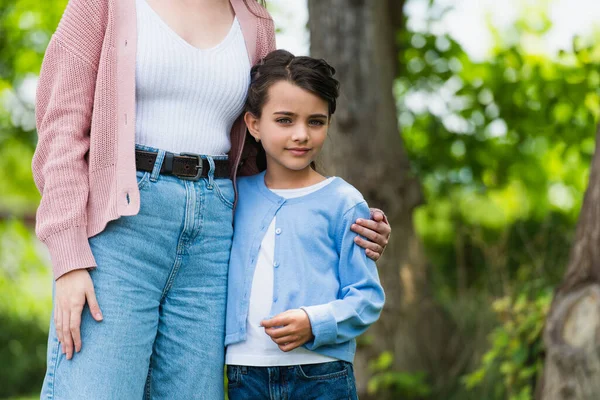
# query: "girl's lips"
298 152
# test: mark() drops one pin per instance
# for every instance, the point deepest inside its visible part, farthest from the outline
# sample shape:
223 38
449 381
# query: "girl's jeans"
161 282
326 381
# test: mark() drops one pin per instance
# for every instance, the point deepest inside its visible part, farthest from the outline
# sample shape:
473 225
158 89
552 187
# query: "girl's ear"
252 124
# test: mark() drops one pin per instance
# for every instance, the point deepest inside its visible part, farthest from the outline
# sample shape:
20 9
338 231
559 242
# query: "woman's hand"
289 330
376 230
72 291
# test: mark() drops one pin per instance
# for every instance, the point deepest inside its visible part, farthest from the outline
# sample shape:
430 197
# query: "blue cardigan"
317 265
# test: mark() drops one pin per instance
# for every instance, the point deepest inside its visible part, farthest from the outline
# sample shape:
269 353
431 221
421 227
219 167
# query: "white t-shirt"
258 349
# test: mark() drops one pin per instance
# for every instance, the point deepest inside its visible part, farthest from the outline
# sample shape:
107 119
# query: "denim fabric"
326 381
161 283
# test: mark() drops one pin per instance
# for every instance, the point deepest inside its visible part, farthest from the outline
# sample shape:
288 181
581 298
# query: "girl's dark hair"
311 74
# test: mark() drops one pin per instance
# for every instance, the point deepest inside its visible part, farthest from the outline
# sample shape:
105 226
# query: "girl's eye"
316 123
284 121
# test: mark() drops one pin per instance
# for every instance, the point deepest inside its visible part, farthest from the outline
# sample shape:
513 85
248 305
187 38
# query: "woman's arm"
64 103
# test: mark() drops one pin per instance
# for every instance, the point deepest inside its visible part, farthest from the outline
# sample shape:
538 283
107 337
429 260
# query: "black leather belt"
184 166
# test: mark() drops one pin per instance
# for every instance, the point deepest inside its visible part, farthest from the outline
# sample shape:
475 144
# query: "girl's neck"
283 178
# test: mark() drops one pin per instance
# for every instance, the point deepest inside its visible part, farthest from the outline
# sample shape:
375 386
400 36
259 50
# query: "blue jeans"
326 381
161 282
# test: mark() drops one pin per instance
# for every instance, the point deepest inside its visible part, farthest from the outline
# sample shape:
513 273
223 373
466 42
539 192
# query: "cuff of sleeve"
70 250
323 325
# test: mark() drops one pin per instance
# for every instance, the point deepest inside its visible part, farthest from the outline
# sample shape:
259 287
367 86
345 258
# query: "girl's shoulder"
346 195
250 182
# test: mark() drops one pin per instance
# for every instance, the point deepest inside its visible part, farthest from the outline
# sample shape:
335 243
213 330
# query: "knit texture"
85 113
187 99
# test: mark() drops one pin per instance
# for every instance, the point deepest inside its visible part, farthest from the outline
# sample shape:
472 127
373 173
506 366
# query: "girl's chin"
296 166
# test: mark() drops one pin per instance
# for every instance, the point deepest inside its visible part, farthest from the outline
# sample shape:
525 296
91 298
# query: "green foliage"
503 148
25 30
25 278
516 346
25 300
26 398
20 196
396 383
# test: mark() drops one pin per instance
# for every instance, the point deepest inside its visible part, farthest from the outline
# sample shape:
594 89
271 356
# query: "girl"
132 85
300 290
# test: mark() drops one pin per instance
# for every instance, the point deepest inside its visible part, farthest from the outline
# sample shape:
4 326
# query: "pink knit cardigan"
84 163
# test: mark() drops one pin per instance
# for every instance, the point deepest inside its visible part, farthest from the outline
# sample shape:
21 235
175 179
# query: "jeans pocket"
224 189
322 371
142 178
233 376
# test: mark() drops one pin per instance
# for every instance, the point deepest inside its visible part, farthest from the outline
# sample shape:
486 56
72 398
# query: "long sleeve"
361 295
64 102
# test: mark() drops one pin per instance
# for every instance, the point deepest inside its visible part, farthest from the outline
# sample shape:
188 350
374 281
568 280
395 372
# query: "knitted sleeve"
265 43
266 37
64 102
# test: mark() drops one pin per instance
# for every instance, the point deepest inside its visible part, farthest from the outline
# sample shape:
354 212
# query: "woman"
131 85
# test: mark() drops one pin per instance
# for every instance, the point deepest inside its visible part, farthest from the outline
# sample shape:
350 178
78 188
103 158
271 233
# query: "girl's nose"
300 134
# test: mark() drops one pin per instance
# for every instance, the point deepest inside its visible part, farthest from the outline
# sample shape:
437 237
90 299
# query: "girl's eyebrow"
291 114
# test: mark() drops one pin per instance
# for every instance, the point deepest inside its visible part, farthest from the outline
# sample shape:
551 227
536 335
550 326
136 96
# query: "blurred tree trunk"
358 38
572 332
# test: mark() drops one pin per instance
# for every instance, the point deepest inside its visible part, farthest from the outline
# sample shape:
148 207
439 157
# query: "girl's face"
292 127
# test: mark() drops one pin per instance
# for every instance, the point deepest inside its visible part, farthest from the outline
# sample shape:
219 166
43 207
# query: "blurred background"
482 170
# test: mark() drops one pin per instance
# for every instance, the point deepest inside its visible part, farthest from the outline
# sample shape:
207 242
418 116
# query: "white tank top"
187 99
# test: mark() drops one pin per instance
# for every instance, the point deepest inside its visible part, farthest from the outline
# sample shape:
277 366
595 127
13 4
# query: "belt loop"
157 165
211 172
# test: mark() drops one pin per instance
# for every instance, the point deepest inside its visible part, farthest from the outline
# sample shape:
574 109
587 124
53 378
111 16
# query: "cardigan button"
276 264
278 231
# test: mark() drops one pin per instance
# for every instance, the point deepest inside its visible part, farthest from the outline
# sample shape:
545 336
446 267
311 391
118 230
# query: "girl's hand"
289 330
72 291
376 230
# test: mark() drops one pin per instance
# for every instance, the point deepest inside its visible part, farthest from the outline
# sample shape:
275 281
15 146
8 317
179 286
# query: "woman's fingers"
378 232
90 295
73 289
367 245
66 331
75 328
363 230
377 236
58 322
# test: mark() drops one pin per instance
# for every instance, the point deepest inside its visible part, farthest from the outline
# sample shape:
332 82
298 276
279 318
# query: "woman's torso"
187 98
